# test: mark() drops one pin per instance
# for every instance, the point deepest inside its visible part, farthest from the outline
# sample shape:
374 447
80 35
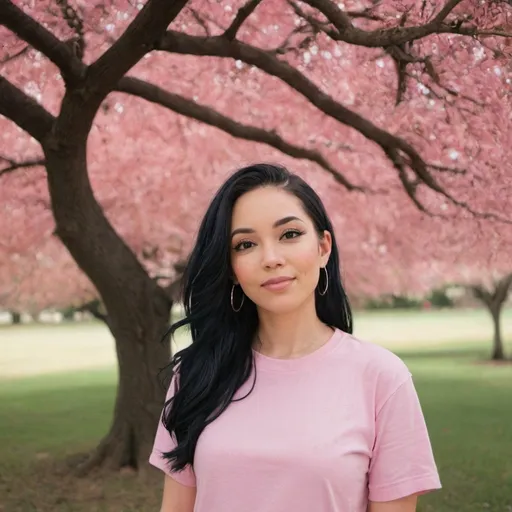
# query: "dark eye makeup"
289 234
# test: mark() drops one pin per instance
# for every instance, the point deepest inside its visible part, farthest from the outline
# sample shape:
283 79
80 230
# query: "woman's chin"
281 305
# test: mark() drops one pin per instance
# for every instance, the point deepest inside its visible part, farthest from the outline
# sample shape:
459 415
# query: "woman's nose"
272 257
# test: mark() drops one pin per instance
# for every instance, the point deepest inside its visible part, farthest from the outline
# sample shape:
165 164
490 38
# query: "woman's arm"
407 504
178 497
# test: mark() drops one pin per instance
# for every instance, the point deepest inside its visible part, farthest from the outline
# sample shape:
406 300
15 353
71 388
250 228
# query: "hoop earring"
326 283
232 303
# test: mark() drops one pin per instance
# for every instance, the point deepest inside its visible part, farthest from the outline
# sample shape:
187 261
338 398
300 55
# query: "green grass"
61 413
45 419
468 409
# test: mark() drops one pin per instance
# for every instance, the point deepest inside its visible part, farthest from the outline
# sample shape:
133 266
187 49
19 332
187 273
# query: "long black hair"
219 360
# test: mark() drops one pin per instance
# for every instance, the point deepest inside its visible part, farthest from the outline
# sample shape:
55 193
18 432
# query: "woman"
275 406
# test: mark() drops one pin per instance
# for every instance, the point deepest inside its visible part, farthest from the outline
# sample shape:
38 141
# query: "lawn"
49 416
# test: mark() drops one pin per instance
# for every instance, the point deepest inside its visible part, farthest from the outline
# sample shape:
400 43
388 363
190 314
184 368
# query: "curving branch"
400 152
40 38
208 115
97 80
242 14
345 31
365 14
403 155
24 111
135 42
87 86
335 15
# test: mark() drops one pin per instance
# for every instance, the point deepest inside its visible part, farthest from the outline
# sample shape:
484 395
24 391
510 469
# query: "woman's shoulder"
373 362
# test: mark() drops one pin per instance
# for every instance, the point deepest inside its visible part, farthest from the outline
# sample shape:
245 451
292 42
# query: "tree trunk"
16 317
139 397
138 309
494 301
498 353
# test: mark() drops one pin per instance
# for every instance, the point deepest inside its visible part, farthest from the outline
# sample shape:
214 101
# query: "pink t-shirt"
325 432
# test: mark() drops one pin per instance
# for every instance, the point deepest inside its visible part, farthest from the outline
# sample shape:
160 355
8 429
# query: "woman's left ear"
325 247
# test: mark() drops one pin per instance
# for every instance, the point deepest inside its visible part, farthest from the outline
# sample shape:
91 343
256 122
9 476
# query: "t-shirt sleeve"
402 460
164 442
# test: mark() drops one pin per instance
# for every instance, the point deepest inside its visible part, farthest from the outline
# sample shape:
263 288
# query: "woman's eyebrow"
277 223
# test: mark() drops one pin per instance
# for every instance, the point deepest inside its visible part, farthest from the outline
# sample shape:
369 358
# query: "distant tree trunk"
498 353
494 301
138 309
16 317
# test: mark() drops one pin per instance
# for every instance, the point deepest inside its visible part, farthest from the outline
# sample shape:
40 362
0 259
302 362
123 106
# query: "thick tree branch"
207 115
242 14
137 40
80 105
13 165
402 154
334 14
398 150
382 38
24 111
366 14
37 36
473 31
446 10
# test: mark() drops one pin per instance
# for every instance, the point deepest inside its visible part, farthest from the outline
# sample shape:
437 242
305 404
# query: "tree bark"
138 309
139 397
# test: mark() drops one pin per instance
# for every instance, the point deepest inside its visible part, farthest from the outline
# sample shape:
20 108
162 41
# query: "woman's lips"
277 283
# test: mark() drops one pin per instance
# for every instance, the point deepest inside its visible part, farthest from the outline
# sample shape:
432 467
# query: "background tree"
420 252
299 77
494 299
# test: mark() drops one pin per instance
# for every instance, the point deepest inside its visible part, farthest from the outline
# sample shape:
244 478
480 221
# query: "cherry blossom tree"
120 118
406 251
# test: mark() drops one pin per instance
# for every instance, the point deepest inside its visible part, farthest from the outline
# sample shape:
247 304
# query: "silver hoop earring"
326 282
232 303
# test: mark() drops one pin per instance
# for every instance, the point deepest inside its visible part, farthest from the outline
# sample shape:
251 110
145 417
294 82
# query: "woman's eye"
291 234
243 245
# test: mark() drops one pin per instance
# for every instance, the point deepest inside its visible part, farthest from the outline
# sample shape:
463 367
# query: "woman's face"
276 253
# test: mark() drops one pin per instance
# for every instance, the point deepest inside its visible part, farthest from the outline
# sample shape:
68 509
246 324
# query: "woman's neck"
291 335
